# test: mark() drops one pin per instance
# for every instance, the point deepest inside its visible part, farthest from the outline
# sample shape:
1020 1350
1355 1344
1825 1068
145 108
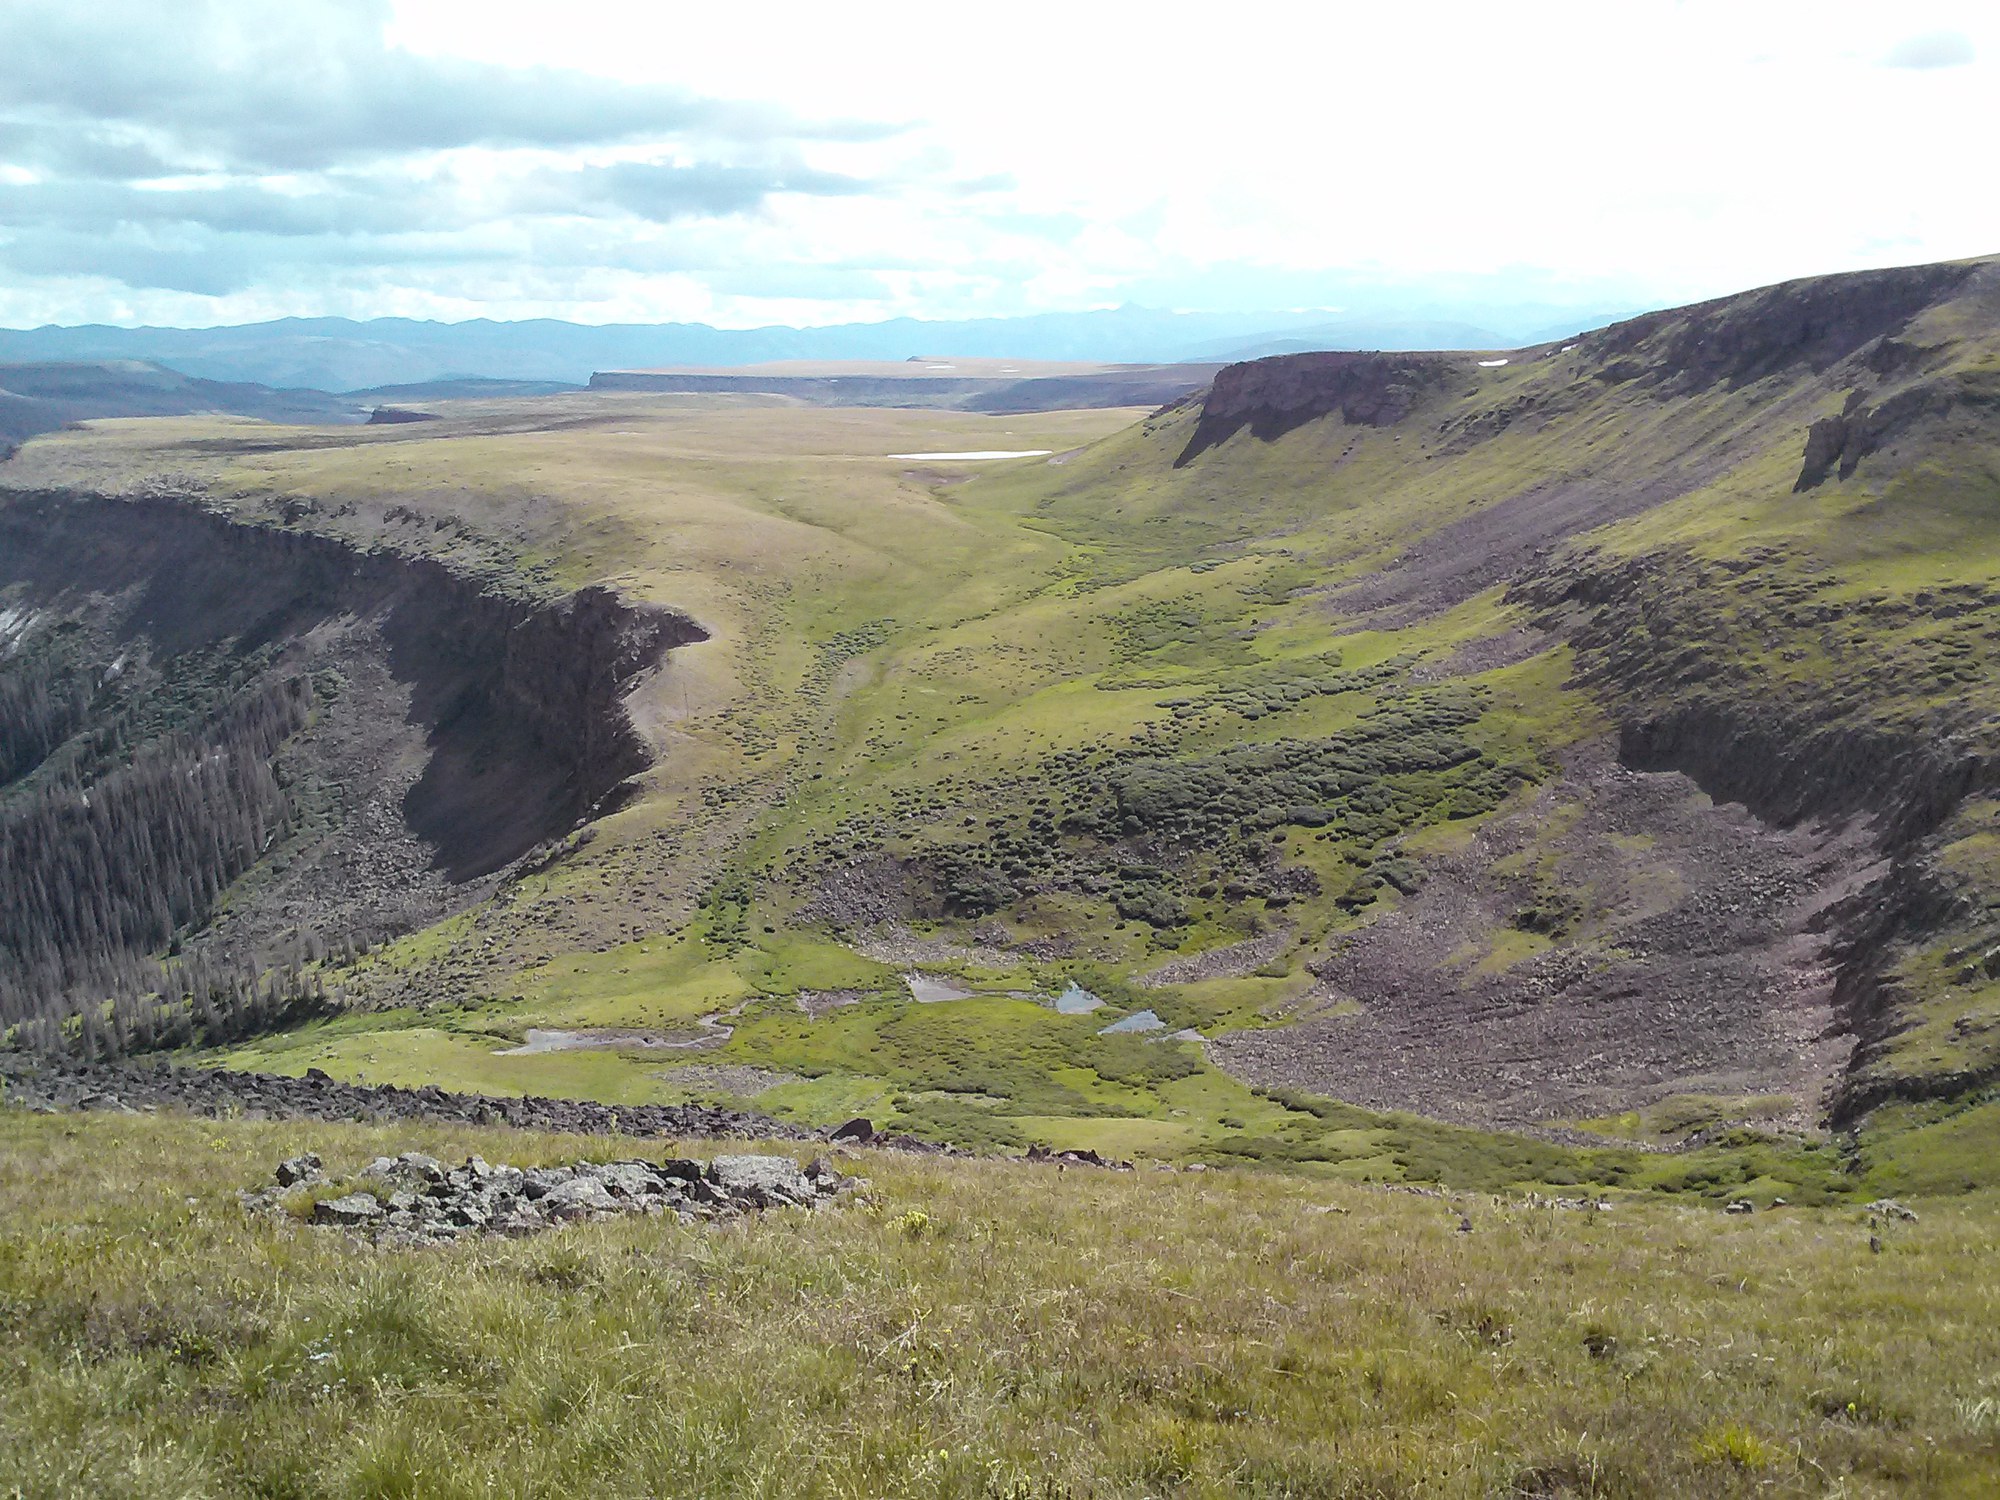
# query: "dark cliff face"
1273 396
1804 326
520 700
1689 655
1800 330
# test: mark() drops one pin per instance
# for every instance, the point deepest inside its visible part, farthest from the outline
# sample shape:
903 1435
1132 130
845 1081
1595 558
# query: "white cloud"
622 160
1933 49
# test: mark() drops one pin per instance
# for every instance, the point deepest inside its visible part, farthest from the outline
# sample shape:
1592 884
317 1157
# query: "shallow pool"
1076 1001
926 990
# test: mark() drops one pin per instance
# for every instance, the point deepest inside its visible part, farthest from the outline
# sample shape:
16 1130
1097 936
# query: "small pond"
1076 1001
927 989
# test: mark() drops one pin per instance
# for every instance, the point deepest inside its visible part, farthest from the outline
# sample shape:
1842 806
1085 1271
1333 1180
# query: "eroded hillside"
244 746
1595 738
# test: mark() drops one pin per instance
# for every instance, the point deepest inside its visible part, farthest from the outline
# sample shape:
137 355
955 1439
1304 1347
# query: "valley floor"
971 1328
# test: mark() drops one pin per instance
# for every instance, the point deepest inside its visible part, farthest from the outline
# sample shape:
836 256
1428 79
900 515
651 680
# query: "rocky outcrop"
1273 396
1652 639
1838 444
520 696
1804 326
412 1199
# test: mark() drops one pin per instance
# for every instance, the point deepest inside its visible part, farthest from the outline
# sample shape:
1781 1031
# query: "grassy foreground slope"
971 1328
1377 720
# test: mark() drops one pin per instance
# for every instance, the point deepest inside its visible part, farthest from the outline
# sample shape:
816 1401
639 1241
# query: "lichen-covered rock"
349 1211
760 1181
413 1201
629 1179
518 1222
578 1198
537 1181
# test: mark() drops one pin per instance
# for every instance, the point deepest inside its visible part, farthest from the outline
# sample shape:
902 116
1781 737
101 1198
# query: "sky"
222 161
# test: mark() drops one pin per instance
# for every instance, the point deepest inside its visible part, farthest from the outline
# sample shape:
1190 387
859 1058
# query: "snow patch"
982 453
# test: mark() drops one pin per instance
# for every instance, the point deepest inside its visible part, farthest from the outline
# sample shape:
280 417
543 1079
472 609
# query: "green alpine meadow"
1401 923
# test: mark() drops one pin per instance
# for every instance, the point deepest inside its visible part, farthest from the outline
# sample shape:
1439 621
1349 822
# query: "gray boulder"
538 1180
297 1169
760 1181
410 1170
355 1208
629 1179
578 1198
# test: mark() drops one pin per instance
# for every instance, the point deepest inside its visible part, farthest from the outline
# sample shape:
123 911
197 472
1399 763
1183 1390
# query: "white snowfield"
983 453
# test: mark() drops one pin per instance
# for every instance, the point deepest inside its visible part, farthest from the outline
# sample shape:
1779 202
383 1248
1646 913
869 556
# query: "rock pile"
415 1199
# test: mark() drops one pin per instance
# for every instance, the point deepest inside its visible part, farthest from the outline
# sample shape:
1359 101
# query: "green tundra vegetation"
971 1328
1225 679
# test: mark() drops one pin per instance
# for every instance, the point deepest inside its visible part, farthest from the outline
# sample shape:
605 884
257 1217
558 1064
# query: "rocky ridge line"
49 1087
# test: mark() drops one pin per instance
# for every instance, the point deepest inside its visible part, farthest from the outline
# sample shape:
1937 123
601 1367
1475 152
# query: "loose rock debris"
414 1199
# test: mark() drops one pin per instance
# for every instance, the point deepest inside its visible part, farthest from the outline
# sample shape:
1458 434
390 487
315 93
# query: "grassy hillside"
1592 744
970 1328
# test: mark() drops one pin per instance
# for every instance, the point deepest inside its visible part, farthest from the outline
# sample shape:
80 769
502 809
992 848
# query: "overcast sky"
217 161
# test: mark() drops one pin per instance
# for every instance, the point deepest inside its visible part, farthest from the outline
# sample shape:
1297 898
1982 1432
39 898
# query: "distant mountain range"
341 354
44 395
